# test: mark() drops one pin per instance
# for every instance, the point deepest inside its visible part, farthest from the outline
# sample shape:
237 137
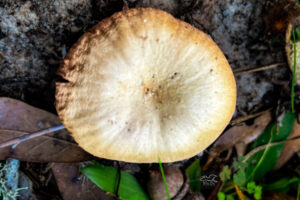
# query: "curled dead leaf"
239 136
195 196
156 187
278 196
18 119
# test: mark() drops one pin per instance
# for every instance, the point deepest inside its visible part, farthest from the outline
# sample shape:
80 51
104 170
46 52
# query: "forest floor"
36 35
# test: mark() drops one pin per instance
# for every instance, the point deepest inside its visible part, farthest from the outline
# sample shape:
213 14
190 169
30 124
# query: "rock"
25 182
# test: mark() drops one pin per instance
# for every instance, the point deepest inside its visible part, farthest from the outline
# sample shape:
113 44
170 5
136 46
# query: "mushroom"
142 85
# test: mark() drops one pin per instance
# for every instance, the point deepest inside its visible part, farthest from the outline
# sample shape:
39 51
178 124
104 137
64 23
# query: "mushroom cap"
142 85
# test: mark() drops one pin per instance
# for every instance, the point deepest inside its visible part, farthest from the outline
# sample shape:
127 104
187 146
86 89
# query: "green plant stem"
229 186
263 155
298 193
164 178
294 73
262 147
231 194
297 33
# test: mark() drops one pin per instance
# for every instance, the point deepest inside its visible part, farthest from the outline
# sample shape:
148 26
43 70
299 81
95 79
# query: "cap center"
161 92
153 93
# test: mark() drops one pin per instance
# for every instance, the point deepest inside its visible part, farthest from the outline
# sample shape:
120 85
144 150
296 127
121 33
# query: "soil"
36 34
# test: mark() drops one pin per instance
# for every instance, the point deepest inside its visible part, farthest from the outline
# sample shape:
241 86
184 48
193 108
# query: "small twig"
262 147
47 136
216 190
30 136
256 69
245 118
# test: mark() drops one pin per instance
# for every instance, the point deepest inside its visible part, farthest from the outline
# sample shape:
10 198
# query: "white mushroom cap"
142 85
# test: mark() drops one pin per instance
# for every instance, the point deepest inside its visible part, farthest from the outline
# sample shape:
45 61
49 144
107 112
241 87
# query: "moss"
5 192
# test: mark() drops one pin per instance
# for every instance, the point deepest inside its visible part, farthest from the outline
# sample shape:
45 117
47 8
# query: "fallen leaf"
114 182
277 196
194 196
290 147
18 119
263 161
194 173
282 185
239 136
155 184
73 185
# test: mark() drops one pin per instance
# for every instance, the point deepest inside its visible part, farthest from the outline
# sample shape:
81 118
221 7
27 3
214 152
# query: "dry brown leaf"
239 136
278 196
73 186
23 119
195 196
155 183
290 147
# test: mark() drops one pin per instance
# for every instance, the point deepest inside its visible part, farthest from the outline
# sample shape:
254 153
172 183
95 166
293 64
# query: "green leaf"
282 185
225 175
106 178
284 130
241 158
298 192
229 197
135 197
194 173
239 178
251 187
240 164
264 161
221 196
258 192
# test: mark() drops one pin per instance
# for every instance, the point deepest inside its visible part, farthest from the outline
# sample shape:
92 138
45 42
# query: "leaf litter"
73 185
238 137
291 147
18 119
